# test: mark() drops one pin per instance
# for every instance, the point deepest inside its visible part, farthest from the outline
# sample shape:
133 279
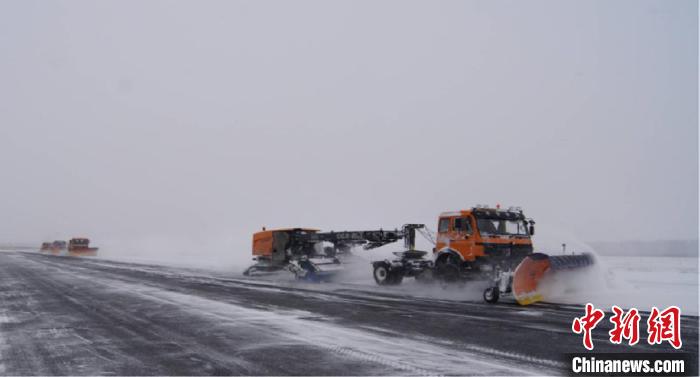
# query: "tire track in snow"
449 319
402 354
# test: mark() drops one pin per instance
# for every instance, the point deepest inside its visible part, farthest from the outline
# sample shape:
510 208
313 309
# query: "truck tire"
448 270
382 275
491 295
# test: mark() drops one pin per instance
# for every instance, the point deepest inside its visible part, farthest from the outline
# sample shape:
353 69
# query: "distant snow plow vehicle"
481 243
58 247
46 246
81 247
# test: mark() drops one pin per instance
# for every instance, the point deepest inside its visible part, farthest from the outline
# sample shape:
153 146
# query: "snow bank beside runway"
628 281
640 282
215 252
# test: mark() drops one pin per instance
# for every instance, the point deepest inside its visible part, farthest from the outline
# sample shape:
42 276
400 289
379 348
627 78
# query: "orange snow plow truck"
495 244
81 247
75 247
481 243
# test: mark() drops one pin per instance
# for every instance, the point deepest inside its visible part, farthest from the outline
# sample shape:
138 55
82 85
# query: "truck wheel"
382 275
491 295
448 270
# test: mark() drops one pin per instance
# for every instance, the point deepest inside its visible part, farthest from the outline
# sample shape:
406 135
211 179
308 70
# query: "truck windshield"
502 227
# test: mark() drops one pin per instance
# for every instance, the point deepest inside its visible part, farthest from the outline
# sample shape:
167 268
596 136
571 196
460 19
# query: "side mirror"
532 229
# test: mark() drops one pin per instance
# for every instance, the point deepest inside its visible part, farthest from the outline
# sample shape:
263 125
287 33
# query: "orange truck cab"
81 247
481 239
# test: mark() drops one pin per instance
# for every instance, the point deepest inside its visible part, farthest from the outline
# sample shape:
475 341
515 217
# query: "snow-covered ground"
640 282
133 318
626 281
97 317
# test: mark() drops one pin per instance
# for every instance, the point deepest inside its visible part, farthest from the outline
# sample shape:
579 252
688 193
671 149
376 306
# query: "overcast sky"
191 119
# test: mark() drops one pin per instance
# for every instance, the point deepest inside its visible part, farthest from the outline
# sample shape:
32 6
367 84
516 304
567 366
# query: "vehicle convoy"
480 243
81 247
74 247
58 247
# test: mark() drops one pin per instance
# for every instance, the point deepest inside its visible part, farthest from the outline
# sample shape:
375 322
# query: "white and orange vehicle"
485 243
81 247
480 243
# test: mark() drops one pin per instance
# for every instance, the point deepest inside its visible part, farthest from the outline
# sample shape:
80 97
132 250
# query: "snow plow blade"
532 269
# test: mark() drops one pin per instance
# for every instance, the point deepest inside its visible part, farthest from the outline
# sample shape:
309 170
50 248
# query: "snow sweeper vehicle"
481 243
302 252
484 243
58 247
81 247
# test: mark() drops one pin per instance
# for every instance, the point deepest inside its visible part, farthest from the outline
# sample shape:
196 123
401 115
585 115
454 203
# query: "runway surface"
81 316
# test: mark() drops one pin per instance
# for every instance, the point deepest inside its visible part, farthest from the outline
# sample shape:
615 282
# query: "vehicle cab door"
443 234
462 236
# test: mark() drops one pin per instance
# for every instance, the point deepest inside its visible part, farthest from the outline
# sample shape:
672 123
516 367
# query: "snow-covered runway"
63 315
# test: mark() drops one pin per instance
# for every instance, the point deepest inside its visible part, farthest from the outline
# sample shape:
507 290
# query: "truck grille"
506 250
